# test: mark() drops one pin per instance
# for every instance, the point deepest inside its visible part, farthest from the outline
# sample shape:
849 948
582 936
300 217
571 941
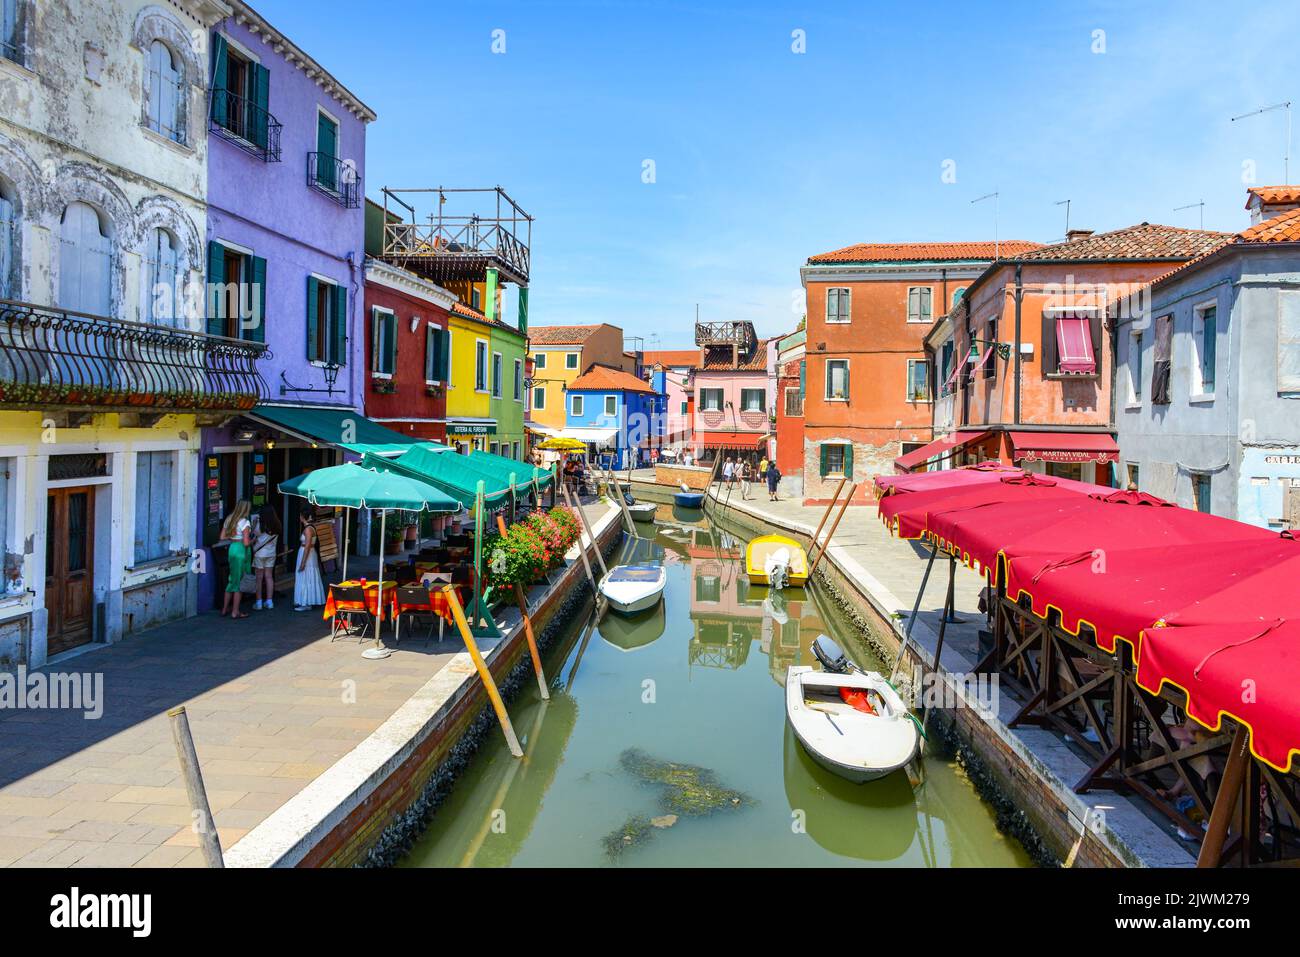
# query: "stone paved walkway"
272 703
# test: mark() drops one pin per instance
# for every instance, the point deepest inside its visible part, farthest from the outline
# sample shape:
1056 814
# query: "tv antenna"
994 197
1286 155
1201 204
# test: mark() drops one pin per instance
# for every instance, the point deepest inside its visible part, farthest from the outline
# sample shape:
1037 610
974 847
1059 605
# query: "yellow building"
485 398
562 353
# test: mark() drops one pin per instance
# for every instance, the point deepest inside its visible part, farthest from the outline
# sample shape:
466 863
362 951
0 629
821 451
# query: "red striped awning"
1074 346
1063 447
916 457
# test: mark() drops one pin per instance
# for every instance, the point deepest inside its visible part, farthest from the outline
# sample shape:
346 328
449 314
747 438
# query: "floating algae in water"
685 789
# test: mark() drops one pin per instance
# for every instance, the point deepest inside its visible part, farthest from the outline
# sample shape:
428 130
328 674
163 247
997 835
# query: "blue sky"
764 156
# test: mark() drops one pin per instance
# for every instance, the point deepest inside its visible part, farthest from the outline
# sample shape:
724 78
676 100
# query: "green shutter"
430 352
848 462
825 460
216 279
261 79
327 148
313 318
523 310
390 357
340 355
803 378
376 361
258 332
219 105
444 355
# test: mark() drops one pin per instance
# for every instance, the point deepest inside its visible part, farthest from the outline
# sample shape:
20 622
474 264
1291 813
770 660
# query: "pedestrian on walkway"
728 472
746 478
773 479
238 531
762 469
308 590
266 541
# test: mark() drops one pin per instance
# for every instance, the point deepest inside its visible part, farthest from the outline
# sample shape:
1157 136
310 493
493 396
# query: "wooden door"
69 566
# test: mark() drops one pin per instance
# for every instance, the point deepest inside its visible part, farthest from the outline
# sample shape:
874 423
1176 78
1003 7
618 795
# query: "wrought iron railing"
56 358
335 178
245 124
468 231
729 333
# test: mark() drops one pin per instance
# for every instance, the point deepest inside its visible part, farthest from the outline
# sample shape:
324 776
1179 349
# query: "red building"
408 351
791 370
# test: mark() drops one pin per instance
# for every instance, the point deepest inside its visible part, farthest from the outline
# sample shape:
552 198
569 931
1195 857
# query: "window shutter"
258 331
913 304
1094 328
142 499
220 104
340 340
160 488
803 378
7 227
261 99
848 462
216 279
1051 357
430 345
925 302
824 452
390 359
846 381
376 339
313 318
444 355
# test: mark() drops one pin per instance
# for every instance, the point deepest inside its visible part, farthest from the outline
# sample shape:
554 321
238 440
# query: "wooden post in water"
484 674
200 810
522 599
622 504
582 519
827 514
834 525
582 551
1225 802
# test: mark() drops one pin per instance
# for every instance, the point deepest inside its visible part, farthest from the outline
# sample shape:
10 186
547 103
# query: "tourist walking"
238 531
773 479
728 473
746 478
266 541
308 590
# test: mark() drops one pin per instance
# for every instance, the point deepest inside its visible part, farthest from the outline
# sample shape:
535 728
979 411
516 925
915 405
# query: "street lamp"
1004 348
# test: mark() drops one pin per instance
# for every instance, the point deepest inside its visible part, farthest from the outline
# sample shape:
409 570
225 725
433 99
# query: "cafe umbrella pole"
379 651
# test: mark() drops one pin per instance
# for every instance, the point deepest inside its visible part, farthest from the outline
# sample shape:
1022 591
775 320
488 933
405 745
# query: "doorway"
69 564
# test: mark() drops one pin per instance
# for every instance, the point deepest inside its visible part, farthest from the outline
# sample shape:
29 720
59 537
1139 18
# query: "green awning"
444 470
354 486
505 465
344 428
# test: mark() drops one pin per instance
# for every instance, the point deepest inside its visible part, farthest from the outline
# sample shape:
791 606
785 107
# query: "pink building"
678 365
735 392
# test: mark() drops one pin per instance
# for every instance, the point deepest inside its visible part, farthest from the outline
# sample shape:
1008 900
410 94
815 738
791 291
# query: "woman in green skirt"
237 530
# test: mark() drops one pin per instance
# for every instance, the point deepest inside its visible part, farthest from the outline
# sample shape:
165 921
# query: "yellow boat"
775 556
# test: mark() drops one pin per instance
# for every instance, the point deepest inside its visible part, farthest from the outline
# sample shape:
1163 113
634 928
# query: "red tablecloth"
372 597
438 604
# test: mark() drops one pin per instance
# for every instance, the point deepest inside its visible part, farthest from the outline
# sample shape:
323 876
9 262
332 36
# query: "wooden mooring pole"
522 599
484 674
577 506
194 789
834 525
827 514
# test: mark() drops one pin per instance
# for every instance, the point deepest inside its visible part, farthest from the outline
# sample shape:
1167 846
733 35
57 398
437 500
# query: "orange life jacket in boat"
857 699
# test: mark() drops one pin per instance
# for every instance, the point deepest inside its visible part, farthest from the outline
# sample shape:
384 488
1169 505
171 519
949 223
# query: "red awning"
910 460
1074 346
1064 447
730 440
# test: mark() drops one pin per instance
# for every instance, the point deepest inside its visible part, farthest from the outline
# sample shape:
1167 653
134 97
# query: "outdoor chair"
415 595
349 608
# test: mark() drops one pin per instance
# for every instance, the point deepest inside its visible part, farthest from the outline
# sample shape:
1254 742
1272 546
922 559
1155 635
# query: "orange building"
1031 365
868 381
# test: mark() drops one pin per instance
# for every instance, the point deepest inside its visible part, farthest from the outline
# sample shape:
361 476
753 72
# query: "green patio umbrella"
353 486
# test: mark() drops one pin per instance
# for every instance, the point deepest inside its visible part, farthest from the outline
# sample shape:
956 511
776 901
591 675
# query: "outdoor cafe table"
438 604
372 597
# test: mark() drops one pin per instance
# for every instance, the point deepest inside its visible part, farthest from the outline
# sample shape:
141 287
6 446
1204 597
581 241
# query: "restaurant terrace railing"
52 358
467 232
246 125
335 178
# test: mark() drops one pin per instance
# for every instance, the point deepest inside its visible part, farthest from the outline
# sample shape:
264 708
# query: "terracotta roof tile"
561 335
927 252
607 377
1273 194
718 359
1144 242
672 357
1279 229
460 309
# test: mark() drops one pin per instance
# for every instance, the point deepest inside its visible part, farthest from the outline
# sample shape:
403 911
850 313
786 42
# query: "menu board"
212 493
258 492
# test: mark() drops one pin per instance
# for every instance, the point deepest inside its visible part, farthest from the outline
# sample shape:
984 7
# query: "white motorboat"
633 588
642 511
852 723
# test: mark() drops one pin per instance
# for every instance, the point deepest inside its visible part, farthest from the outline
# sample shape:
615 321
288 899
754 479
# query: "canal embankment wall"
368 807
1023 773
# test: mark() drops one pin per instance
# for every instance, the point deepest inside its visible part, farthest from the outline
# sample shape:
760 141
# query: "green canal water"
691 693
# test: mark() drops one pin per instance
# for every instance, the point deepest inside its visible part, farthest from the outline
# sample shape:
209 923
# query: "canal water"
664 744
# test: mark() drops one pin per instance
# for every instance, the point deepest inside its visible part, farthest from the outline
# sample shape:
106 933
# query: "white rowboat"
633 588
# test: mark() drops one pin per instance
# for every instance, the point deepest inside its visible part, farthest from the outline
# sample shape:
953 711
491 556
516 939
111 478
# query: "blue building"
619 416
1207 388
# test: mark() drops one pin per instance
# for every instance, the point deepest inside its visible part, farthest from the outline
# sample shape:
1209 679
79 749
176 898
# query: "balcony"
334 178
52 358
717 337
466 233
244 124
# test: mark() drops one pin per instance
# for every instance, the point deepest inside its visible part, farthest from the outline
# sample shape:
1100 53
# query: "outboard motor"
832 656
778 576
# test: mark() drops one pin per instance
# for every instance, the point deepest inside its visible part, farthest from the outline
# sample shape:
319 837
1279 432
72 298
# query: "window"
164 93
946 353
10 288
918 380
1201 492
837 380
327 315
575 406
236 293
793 402
836 460
710 400
163 277
570 360
514 450
837 304
480 366
957 294
85 261
753 400
918 303
991 359
327 152
611 405
496 375
240 95
493 448
437 354
684 407
383 337
519 380
1288 340
11 47
539 360
1135 367
1160 370
708 588
1205 332
155 479
1068 345
476 299
1134 475
539 397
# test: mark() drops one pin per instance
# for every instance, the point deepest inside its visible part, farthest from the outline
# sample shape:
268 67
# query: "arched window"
11 41
164 93
10 261
957 294
85 261
163 278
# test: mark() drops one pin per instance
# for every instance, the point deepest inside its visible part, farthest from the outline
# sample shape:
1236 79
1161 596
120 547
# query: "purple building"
284 264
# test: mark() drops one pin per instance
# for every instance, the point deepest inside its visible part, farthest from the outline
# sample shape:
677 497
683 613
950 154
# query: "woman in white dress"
308 590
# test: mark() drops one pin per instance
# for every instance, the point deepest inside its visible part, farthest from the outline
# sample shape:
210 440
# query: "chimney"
1074 234
1265 202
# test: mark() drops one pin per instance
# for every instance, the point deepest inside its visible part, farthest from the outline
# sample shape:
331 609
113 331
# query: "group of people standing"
743 472
252 548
